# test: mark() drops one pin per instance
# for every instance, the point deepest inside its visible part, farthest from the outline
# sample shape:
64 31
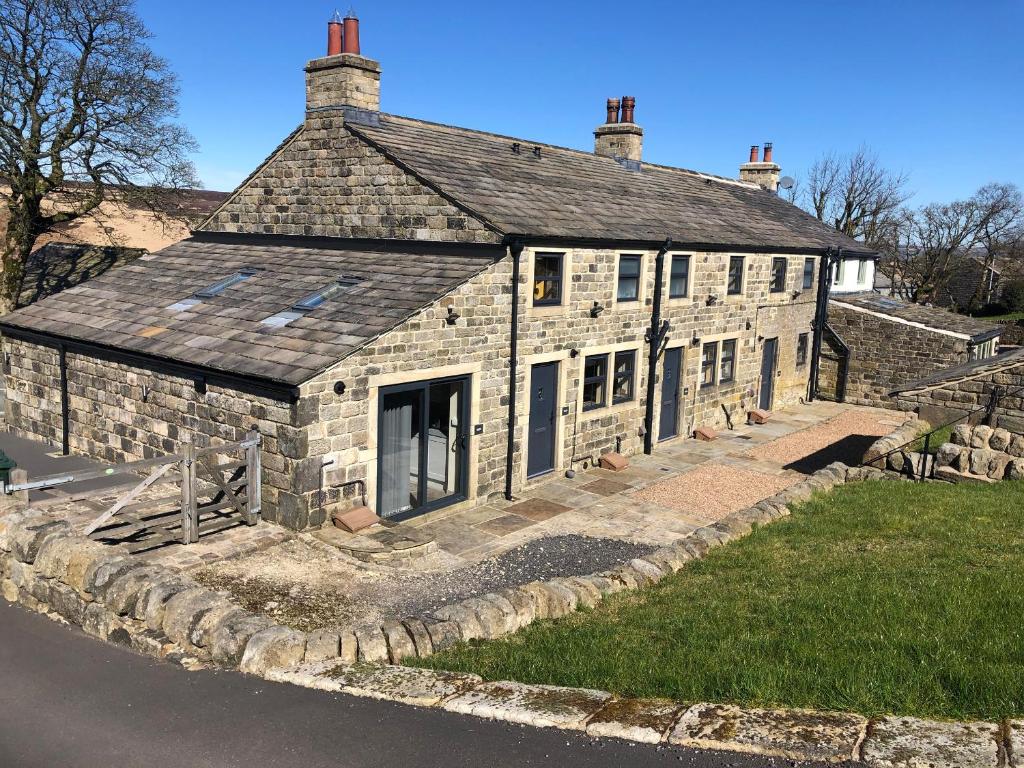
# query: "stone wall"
886 354
119 413
944 403
326 182
981 454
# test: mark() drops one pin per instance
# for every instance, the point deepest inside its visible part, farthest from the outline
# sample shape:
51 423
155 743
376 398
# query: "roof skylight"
213 290
311 302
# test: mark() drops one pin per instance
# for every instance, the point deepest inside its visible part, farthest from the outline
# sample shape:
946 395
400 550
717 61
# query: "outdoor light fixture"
596 310
452 317
712 299
696 340
145 393
339 387
574 353
749 326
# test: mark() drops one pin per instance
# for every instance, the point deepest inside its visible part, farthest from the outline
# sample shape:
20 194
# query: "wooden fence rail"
219 488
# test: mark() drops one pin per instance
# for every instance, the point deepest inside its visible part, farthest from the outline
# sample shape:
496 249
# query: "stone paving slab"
644 720
1015 741
907 742
790 733
408 685
542 706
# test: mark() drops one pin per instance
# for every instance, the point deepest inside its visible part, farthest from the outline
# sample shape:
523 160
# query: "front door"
421 446
540 448
671 367
768 355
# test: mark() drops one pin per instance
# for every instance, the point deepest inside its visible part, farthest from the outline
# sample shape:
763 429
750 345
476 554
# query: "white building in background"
853 275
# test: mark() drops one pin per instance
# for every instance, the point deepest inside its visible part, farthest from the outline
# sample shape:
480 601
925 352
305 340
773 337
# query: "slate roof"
932 317
567 193
973 369
127 308
58 266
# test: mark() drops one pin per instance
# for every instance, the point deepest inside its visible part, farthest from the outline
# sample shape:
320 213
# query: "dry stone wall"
947 402
981 454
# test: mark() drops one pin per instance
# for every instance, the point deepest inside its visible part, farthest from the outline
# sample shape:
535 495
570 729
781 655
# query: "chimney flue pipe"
613 111
754 152
767 151
350 43
628 105
334 35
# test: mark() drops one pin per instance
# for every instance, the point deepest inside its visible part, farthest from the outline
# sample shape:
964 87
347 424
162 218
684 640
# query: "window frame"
629 375
778 281
559 279
637 258
802 345
862 271
732 360
742 276
808 281
685 259
705 366
601 380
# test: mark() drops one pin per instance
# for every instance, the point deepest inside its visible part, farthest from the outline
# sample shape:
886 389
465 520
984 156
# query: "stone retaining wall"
981 454
883 454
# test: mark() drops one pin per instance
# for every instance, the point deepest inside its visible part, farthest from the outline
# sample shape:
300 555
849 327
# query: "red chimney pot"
755 150
613 111
334 35
351 41
767 151
628 105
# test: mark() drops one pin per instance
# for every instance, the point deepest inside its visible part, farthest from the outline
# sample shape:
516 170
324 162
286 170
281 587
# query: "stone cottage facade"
428 315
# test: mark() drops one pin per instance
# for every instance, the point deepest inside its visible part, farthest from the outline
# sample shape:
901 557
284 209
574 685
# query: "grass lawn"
879 597
938 437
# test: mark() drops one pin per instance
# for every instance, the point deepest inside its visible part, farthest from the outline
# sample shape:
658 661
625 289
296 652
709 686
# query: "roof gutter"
201 375
683 245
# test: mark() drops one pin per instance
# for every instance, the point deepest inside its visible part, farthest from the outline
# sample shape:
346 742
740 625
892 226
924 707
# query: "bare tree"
86 112
1000 234
855 194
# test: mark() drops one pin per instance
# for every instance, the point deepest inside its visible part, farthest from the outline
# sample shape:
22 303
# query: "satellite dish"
786 182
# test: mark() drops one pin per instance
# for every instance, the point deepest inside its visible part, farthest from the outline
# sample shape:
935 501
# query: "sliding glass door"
422 444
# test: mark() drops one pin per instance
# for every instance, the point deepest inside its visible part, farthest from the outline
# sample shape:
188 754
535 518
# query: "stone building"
383 297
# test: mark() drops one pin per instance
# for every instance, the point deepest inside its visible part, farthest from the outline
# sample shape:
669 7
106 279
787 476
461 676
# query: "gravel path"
713 490
843 438
308 587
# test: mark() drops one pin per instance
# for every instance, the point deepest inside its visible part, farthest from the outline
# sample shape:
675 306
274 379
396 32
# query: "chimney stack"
342 78
764 173
620 138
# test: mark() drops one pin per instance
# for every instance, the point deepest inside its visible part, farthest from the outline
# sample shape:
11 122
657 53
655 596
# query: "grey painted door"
668 422
540 448
768 354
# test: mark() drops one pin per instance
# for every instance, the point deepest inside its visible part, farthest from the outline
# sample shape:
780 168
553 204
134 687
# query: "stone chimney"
343 77
620 138
764 173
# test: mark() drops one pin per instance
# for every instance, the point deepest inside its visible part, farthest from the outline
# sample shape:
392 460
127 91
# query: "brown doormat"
355 519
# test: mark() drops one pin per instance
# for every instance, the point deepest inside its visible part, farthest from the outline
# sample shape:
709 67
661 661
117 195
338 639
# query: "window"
213 290
862 271
708 363
778 275
310 302
547 279
840 273
629 279
727 372
595 377
801 349
735 285
622 385
679 277
808 273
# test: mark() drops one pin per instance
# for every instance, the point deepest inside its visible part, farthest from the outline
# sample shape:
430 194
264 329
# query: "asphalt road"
69 701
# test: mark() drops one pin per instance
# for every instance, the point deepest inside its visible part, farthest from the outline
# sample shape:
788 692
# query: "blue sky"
936 88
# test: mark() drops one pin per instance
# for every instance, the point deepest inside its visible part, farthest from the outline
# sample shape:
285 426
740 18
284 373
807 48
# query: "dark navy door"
671 367
540 447
771 347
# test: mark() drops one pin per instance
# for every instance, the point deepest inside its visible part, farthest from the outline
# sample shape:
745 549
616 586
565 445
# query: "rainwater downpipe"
830 257
655 335
516 249
65 407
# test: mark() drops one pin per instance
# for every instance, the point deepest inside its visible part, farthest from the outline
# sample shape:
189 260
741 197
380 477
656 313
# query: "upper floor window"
727 371
595 377
778 275
801 349
708 363
735 285
808 273
679 277
547 279
629 279
622 385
